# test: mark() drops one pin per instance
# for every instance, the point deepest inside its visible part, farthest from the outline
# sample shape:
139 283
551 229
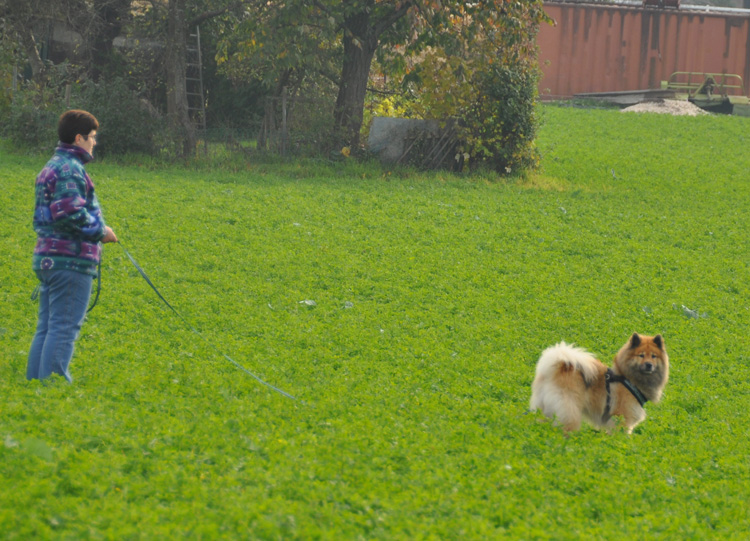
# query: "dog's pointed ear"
635 340
659 341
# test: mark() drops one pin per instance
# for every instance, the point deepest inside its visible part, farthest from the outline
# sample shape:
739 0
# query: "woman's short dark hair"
73 122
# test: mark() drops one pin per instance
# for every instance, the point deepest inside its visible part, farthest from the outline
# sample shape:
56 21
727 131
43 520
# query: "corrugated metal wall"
607 48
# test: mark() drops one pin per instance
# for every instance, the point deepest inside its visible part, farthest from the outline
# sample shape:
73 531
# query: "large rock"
388 136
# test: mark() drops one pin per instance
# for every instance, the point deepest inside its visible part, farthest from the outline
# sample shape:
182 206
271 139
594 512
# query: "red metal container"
614 48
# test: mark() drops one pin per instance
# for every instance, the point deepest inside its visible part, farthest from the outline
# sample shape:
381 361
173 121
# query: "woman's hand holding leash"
109 235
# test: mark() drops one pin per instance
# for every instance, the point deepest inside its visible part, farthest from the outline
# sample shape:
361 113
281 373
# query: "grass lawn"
432 298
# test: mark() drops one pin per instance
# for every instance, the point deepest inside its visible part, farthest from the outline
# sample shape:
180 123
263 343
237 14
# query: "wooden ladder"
194 82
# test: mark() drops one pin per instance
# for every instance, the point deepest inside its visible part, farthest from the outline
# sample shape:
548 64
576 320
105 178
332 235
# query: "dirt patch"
669 107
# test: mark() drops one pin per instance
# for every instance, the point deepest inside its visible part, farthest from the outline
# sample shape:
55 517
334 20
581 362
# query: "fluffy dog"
571 385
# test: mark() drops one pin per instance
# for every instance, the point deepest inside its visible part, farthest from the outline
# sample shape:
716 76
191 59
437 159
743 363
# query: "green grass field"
434 296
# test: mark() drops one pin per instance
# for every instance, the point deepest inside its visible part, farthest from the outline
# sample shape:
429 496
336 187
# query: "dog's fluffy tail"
566 354
551 391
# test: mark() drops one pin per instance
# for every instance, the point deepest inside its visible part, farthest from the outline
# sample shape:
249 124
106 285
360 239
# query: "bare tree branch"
205 16
388 21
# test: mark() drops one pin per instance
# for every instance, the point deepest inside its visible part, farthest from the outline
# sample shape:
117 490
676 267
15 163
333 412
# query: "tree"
181 17
357 30
277 47
301 38
108 21
363 28
175 66
20 19
97 22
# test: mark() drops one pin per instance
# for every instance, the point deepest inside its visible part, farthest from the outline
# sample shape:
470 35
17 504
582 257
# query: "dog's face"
644 360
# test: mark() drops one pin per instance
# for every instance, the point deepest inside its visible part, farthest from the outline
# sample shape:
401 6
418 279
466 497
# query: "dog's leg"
633 417
572 425
568 415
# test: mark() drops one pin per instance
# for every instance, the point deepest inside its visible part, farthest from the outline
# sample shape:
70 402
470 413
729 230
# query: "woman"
70 228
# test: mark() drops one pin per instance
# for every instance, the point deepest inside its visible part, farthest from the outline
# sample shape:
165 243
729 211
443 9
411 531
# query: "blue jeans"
63 300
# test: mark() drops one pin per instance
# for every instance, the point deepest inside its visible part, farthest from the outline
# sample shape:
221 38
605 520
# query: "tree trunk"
177 99
360 44
19 18
32 53
111 16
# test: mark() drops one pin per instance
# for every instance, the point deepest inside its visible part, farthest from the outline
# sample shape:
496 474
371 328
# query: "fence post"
284 134
260 141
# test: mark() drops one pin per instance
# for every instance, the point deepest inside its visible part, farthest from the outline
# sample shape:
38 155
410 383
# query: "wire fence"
295 125
289 126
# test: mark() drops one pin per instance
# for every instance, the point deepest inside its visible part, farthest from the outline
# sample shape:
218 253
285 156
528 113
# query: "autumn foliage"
483 72
474 62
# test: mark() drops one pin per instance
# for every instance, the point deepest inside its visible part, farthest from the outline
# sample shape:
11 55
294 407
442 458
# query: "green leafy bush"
126 122
127 125
489 88
499 127
33 114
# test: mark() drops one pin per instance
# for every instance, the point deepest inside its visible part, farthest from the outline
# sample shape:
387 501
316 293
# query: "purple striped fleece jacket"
67 218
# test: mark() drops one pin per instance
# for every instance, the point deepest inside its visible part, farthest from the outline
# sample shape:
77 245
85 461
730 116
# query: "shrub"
33 126
127 124
499 127
483 74
32 118
36 106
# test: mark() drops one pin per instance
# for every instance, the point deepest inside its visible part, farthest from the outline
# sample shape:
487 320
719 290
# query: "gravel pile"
670 107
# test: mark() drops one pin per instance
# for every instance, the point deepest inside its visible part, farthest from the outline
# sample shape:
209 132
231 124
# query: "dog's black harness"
611 377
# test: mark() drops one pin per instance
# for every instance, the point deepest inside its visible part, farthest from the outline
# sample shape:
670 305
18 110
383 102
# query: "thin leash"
186 322
98 284
35 293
